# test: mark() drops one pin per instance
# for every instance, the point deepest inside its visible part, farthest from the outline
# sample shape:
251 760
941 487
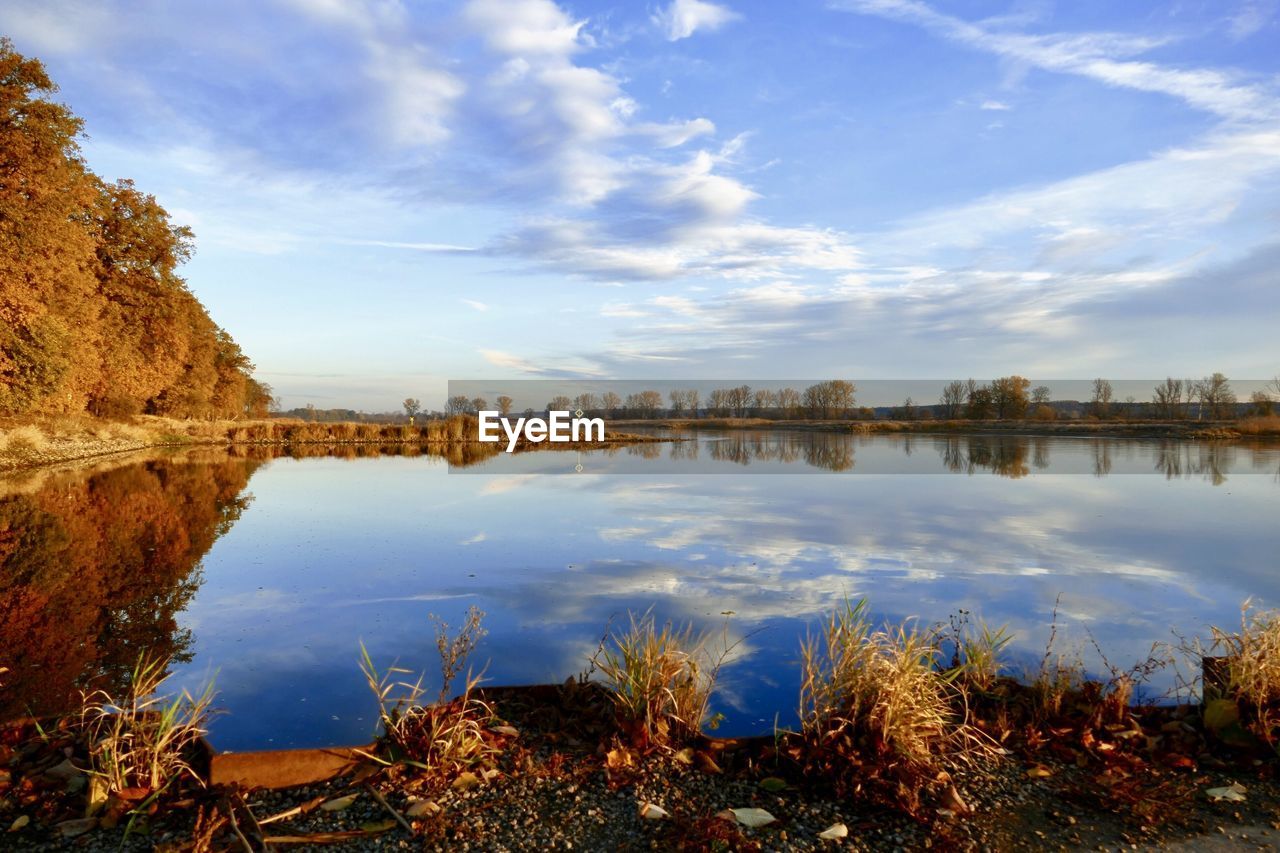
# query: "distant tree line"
93 315
1011 397
1006 398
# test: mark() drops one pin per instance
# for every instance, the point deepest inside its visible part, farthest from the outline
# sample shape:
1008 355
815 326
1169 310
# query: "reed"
145 739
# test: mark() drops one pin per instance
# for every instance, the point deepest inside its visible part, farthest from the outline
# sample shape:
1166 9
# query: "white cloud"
685 17
526 27
564 368
995 105
1090 54
415 93
1252 17
46 28
479 306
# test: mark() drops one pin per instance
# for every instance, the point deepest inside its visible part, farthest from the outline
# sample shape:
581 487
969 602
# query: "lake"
269 572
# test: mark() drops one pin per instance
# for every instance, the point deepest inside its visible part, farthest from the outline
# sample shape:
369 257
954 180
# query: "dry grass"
1262 425
1060 675
1252 669
22 440
661 679
144 740
977 650
881 687
876 709
445 738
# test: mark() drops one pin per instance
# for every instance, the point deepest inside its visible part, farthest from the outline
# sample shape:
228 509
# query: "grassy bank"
910 735
34 442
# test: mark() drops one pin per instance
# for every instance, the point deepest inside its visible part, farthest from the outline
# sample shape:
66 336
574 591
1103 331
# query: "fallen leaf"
953 801
466 781
73 828
753 817
98 792
377 826
836 830
490 774
708 764
615 759
339 804
63 772
22 821
685 756
1233 793
773 784
423 807
649 811
1039 772
510 731
1219 714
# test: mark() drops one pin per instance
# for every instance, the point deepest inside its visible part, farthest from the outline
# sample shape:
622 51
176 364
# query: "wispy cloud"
1252 17
683 18
1102 56
557 368
479 306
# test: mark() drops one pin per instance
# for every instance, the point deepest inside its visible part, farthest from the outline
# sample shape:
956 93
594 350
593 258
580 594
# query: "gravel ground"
576 806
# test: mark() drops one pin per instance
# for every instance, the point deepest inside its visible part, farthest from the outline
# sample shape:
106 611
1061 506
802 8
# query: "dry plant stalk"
1252 667
455 651
661 680
445 737
144 740
883 690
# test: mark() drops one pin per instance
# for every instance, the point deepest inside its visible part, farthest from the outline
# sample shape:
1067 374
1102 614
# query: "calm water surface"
270 572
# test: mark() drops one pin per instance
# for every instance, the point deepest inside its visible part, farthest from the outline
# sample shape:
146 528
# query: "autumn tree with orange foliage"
93 315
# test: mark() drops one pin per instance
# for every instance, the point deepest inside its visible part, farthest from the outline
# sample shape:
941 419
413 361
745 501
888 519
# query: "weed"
145 740
977 650
877 699
21 440
455 651
1251 669
447 737
661 679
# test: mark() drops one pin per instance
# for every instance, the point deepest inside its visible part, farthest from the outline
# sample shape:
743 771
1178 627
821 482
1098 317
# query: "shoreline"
563 778
38 446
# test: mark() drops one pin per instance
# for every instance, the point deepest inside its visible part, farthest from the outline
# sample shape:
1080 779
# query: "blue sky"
387 195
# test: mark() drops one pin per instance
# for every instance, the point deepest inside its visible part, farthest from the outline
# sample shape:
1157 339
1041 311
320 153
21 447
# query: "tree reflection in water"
95 570
1005 455
829 451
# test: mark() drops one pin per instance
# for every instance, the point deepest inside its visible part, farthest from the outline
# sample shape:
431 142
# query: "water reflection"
359 546
95 569
828 451
1003 455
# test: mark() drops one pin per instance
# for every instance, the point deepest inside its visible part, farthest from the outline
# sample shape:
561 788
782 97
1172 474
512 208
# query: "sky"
388 195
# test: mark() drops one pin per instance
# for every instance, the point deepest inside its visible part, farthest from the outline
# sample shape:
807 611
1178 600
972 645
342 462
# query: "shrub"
445 738
145 740
875 707
1251 669
21 440
976 650
660 679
